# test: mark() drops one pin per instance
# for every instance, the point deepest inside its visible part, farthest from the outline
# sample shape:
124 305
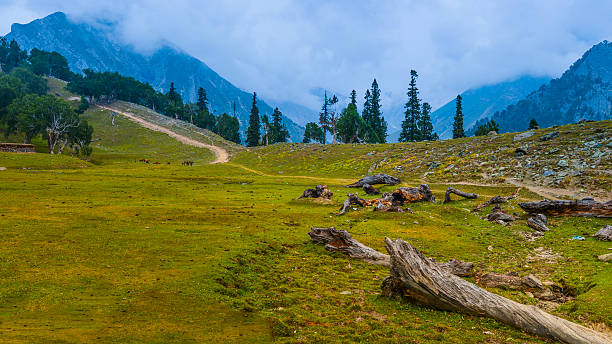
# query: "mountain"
583 91
87 46
483 102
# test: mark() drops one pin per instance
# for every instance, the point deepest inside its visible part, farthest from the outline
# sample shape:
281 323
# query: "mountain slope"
86 46
483 102
583 91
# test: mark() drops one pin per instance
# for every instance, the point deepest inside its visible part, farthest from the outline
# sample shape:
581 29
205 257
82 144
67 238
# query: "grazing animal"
157 163
187 163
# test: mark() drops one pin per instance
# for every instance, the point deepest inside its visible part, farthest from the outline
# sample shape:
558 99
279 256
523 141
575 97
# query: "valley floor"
114 250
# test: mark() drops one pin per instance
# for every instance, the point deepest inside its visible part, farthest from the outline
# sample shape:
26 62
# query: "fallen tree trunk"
497 200
319 191
500 216
342 241
452 190
380 178
585 207
416 278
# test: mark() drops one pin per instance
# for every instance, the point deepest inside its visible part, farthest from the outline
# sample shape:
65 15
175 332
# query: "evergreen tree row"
273 132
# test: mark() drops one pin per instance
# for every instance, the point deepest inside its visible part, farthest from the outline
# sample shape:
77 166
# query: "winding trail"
220 153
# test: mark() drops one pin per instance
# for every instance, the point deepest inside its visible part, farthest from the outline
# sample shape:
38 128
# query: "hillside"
584 91
584 162
86 46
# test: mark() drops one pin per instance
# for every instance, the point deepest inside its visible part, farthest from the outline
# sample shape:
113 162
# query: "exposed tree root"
452 190
585 207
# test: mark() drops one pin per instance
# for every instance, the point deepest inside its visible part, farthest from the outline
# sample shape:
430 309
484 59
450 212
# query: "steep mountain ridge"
584 91
86 46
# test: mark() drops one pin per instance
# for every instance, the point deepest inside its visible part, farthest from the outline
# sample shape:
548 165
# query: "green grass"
117 251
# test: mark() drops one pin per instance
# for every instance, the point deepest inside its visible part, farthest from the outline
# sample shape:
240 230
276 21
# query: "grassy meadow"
116 251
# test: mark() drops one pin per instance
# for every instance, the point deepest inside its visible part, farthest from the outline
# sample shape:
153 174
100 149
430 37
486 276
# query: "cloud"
282 49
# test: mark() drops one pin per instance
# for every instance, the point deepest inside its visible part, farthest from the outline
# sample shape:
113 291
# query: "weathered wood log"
498 200
585 207
498 214
319 191
380 178
604 234
411 195
511 281
538 223
342 241
352 199
452 190
387 208
370 190
416 278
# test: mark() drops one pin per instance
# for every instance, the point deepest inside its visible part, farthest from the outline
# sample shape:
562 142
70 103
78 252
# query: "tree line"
25 107
274 130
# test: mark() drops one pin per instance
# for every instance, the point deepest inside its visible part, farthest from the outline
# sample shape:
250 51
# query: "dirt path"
220 153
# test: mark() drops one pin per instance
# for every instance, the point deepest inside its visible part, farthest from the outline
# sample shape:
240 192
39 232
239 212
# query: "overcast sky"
283 49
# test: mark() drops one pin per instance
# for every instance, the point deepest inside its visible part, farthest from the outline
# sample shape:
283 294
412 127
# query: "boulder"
604 234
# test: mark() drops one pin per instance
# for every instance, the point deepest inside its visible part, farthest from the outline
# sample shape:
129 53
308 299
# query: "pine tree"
533 124
313 133
202 99
278 131
254 126
351 125
354 98
372 116
425 125
324 117
410 130
458 131
333 117
265 139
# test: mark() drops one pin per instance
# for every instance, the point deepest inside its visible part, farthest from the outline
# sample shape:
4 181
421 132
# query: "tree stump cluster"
320 191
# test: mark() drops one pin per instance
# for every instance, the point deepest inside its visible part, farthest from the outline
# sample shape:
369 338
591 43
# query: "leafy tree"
410 130
11 55
351 126
33 84
458 131
372 116
313 133
50 64
533 124
80 138
278 130
227 127
83 106
486 128
26 115
254 126
425 125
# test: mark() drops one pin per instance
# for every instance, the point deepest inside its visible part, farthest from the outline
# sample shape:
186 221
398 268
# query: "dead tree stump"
416 278
452 190
585 207
497 200
352 199
538 223
319 191
370 190
411 195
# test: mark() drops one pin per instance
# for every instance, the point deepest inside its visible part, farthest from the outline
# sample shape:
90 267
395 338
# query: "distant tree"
265 139
33 84
487 128
458 131
278 130
333 118
83 106
202 99
324 117
425 125
50 64
11 55
253 133
228 127
80 138
354 98
351 125
533 124
410 130
372 116
313 133
25 115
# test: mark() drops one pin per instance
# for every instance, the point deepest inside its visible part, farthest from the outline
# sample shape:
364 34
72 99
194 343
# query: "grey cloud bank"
283 49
